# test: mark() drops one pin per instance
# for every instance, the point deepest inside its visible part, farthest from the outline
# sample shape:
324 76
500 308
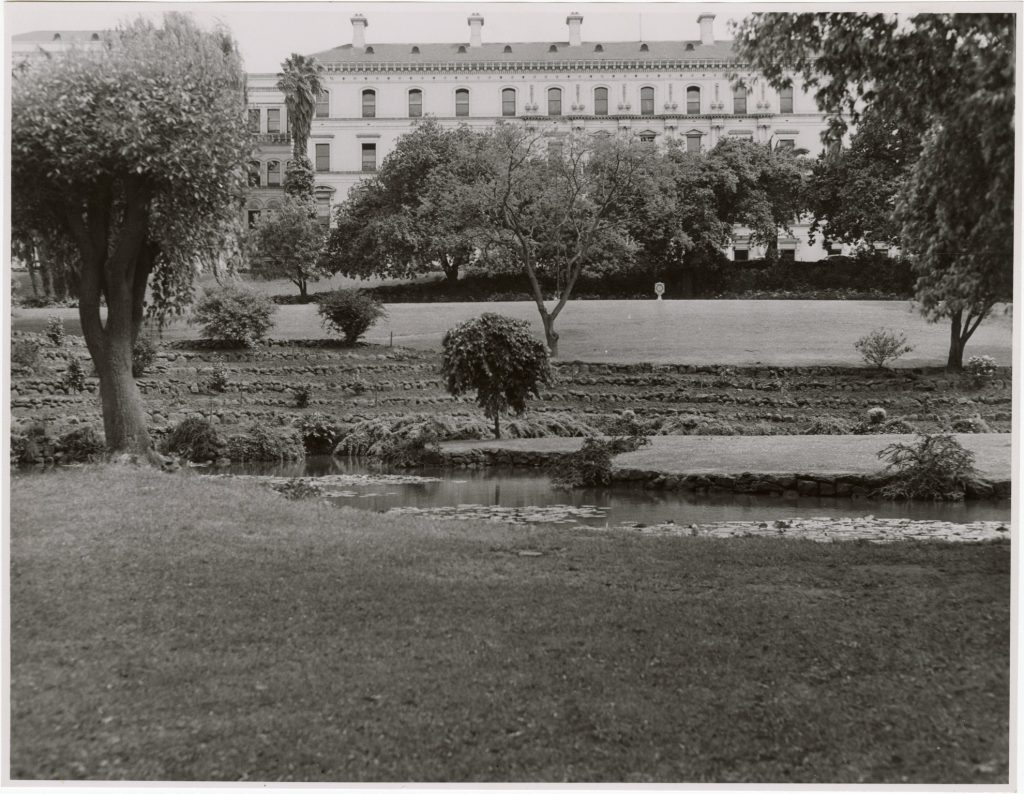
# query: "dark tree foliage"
136 151
499 359
947 82
288 243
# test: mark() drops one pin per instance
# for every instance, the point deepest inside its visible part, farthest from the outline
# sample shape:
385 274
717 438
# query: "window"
693 100
508 102
462 49
415 50
323 157
554 101
785 144
273 119
254 119
369 103
553 48
254 218
369 157
739 100
740 255
462 102
647 137
786 100
254 173
600 101
693 143
644 48
507 48
646 101
323 210
555 148
833 249
415 103
323 105
273 173
369 50
598 48
787 255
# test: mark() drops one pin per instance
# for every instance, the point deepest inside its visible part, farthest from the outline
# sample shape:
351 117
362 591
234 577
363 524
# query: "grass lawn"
780 333
164 627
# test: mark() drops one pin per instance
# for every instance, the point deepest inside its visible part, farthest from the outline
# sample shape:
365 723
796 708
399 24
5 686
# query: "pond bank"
789 465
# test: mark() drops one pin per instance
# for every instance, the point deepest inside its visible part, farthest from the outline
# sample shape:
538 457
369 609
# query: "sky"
270 31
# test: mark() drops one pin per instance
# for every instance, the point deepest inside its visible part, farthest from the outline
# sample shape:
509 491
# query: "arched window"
369 50
508 102
553 48
786 100
369 103
739 100
415 103
415 51
554 101
601 101
508 48
462 49
693 100
462 102
598 48
647 101
94 37
323 105
56 37
255 177
644 48
273 173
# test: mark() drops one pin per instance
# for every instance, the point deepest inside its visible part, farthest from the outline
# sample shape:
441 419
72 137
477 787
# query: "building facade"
693 92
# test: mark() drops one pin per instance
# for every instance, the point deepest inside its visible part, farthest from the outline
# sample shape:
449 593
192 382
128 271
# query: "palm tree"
300 82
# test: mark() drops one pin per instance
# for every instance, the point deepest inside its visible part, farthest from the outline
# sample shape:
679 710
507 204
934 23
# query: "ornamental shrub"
876 415
591 464
234 316
498 358
55 331
981 370
933 467
193 439
319 433
350 312
143 355
217 380
301 396
74 376
882 345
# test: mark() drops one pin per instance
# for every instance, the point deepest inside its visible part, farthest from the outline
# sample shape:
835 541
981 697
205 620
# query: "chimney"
359 26
707 34
476 22
575 23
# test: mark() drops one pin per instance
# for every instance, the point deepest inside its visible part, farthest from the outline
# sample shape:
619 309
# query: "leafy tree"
390 226
137 149
853 190
947 80
299 81
288 244
498 358
299 179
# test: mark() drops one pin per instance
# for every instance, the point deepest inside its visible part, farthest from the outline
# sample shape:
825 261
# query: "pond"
518 494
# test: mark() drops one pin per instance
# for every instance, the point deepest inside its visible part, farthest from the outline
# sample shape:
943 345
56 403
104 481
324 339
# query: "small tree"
351 312
882 345
499 358
288 244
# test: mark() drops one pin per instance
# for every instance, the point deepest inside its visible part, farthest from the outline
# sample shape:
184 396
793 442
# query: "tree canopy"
288 244
299 81
136 151
947 80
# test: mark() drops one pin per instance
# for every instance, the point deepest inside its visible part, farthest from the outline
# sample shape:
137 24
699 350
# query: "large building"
694 92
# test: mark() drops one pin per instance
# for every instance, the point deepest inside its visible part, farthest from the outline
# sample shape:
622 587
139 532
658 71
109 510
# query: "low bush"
405 441
694 425
889 427
55 331
74 376
260 443
591 465
34 445
319 433
350 312
143 355
301 396
882 345
970 424
82 445
877 415
626 423
234 316
193 439
932 467
217 380
25 354
298 488
827 426
981 370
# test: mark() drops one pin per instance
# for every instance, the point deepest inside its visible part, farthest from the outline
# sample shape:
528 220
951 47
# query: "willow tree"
946 80
138 148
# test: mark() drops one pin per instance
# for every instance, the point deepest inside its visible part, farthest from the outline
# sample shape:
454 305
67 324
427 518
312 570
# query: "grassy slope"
170 629
780 333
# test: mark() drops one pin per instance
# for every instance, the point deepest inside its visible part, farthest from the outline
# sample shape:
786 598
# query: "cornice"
582 65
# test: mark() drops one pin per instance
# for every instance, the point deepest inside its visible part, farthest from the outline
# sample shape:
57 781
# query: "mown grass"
164 627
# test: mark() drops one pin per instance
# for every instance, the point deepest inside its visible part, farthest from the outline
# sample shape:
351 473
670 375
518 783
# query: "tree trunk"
955 361
497 425
124 417
451 271
550 334
302 287
33 274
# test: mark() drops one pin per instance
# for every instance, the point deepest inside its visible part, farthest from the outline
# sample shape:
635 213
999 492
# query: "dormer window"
415 50
644 48
462 48
599 48
56 37
94 37
507 48
552 48
689 46
369 50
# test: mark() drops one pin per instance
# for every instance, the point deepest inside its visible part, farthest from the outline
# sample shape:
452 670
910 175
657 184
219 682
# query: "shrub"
143 355
194 439
876 415
298 488
499 359
350 312
55 331
981 370
404 441
933 467
74 376
301 396
81 445
888 427
827 426
217 380
319 433
591 464
35 445
261 443
882 345
970 424
25 353
234 316
625 423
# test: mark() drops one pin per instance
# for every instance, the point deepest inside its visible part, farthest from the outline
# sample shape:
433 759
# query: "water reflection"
510 487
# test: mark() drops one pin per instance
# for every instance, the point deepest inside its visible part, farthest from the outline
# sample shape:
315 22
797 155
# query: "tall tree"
299 81
948 81
138 149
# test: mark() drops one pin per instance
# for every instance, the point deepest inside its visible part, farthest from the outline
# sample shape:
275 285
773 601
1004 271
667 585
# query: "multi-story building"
693 92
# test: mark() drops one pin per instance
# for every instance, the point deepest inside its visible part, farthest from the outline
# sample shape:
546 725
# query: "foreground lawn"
164 627
735 332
